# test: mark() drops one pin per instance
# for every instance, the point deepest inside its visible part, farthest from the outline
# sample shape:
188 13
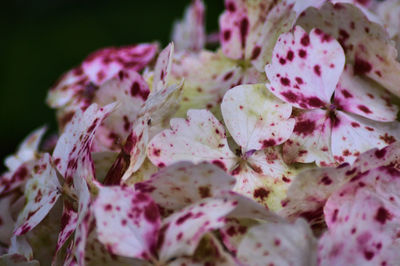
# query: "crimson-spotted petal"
367 45
184 183
189 33
127 221
279 244
97 68
182 231
363 97
163 68
41 192
353 135
255 118
72 152
363 218
200 137
130 91
305 68
311 139
69 221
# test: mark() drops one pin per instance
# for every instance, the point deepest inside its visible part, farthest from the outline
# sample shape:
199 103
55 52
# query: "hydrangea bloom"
280 147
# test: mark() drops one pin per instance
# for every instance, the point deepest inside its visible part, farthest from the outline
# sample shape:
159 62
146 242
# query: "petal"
367 45
127 221
305 68
360 96
7 221
249 29
41 192
207 76
97 68
201 137
279 244
311 189
182 231
255 118
26 151
209 251
234 231
311 139
130 91
184 183
353 135
266 178
72 152
161 106
163 68
363 218
189 33
69 221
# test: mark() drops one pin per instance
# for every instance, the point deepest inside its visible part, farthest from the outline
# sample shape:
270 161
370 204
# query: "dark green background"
42 39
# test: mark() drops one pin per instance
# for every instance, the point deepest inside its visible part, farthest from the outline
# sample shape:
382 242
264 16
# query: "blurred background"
42 39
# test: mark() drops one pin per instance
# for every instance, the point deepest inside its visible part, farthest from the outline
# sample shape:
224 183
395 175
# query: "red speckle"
317 70
305 40
282 61
346 94
380 153
299 80
302 53
24 229
256 52
144 187
326 180
228 76
151 212
387 138
364 108
261 193
179 236
204 192
355 124
382 215
290 96
290 55
124 222
156 152
244 28
305 127
230 6
220 164
368 255
315 102
183 218
285 179
161 165
92 127
361 67
285 81
38 196
108 207
334 215
226 35
268 143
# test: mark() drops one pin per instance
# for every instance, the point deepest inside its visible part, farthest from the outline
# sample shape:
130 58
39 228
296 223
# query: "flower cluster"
282 147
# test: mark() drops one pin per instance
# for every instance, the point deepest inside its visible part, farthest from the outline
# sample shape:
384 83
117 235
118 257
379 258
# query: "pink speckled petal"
353 135
189 33
305 68
311 139
363 219
97 68
184 183
182 231
200 137
363 97
367 45
162 69
130 91
255 118
69 221
41 192
127 221
71 155
279 244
